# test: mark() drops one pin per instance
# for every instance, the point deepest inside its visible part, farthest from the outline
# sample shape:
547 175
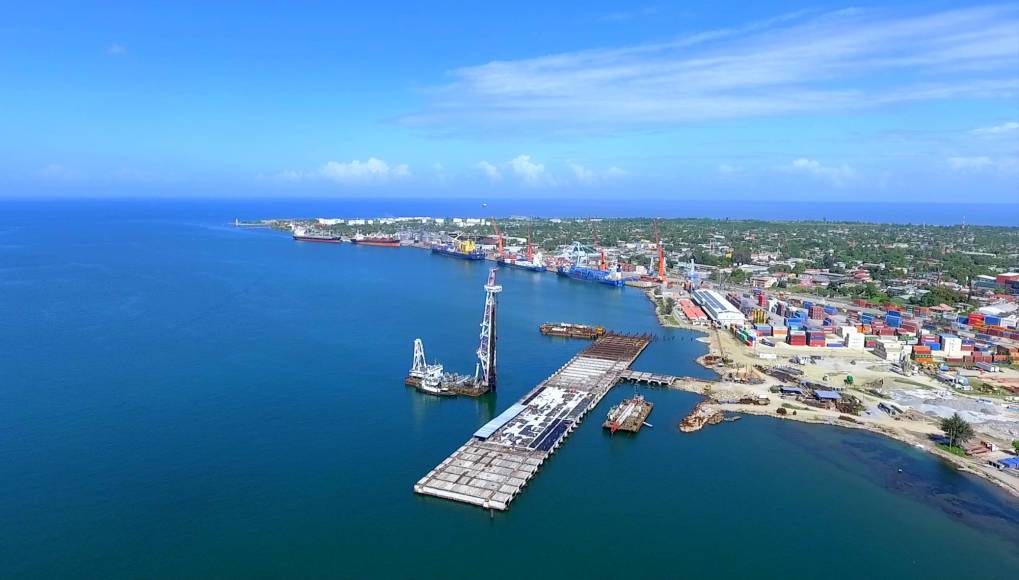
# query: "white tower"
484 373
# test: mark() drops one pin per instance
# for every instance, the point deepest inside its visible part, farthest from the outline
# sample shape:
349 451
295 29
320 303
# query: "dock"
495 465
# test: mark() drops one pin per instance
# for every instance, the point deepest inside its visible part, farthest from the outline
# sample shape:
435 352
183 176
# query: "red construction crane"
661 254
530 248
498 236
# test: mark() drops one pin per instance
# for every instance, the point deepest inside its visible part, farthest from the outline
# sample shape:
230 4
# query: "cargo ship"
463 249
302 235
376 240
529 265
587 274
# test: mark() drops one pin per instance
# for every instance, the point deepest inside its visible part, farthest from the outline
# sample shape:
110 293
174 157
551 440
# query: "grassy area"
953 450
797 407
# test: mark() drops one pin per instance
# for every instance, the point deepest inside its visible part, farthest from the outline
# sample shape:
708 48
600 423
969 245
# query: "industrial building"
718 308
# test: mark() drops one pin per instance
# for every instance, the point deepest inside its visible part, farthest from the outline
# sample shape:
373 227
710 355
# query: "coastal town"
859 325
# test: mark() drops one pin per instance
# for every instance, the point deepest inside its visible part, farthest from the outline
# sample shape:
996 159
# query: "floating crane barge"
500 458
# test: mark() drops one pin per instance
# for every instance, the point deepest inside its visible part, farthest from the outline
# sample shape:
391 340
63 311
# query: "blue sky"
880 102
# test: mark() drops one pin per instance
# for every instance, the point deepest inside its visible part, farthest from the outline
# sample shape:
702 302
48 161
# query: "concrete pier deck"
495 465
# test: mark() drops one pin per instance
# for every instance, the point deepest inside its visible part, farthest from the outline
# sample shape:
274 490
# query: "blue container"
831 309
893 322
807 305
935 346
992 320
963 320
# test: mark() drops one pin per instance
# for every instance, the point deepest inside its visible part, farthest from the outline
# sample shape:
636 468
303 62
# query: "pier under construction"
500 458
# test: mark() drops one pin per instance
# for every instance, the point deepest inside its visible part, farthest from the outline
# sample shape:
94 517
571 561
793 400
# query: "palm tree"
957 430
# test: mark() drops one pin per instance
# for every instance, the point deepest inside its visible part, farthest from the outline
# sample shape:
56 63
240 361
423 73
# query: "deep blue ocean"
180 398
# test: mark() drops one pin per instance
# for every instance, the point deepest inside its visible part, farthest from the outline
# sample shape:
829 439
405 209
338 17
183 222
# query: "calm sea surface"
180 398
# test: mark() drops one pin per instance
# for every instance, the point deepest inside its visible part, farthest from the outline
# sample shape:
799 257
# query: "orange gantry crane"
498 236
661 254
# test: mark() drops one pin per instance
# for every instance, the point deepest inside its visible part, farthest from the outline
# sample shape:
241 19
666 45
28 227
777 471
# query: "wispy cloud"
624 15
1003 128
837 175
969 163
1001 166
789 65
116 49
56 172
373 170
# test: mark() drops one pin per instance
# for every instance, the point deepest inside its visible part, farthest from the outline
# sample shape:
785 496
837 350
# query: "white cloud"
373 170
587 176
528 171
490 171
356 171
582 174
970 163
998 129
794 64
836 175
727 169
116 50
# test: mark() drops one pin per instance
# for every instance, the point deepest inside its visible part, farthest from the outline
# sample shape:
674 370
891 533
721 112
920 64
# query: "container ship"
530 265
376 240
587 274
463 249
302 235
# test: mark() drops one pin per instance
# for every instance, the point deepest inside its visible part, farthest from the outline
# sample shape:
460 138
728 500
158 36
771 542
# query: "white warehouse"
718 308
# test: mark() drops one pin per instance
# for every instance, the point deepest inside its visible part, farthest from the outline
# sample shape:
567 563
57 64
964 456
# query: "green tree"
1015 445
956 429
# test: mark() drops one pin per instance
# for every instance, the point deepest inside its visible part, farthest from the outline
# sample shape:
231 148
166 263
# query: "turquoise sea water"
181 398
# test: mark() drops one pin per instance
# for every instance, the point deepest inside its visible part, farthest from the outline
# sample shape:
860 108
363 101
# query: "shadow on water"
910 473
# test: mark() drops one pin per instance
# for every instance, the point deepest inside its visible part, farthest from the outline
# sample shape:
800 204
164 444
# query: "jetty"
498 461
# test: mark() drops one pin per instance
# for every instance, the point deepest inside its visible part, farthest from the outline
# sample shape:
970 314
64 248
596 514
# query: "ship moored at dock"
630 415
303 235
376 240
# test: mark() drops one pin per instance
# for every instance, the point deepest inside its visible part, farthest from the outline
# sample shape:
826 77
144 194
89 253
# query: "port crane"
661 254
498 236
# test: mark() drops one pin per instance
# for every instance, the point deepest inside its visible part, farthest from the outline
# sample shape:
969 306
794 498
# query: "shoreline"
900 432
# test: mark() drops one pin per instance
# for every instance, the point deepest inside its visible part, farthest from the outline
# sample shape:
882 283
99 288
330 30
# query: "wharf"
494 466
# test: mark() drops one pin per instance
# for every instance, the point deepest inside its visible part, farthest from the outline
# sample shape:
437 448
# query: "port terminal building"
718 308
